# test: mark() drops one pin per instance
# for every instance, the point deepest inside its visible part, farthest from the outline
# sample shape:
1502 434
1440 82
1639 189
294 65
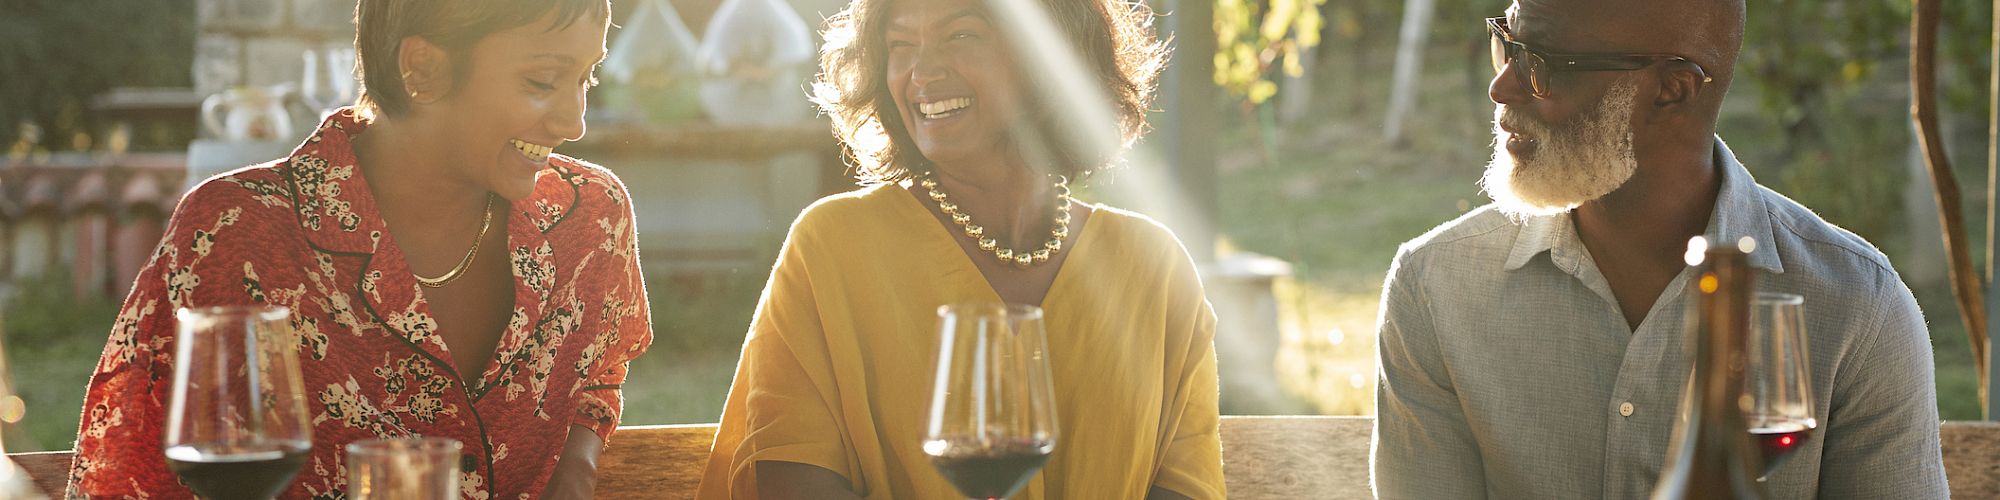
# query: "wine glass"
992 418
237 425
1778 378
416 468
328 82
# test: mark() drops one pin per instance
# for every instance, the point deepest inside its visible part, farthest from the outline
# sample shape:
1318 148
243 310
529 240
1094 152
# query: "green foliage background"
56 55
1802 52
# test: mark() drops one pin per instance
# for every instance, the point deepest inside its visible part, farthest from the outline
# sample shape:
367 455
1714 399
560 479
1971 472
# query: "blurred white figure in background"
651 67
754 61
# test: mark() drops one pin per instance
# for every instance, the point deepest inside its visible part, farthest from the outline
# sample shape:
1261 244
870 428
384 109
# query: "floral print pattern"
303 232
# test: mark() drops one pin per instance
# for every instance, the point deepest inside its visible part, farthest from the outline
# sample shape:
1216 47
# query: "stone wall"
262 42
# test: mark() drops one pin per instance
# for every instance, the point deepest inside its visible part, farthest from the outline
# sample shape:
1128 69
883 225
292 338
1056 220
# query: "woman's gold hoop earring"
406 84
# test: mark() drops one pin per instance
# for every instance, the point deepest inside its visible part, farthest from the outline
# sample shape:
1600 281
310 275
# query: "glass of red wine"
991 424
236 425
1778 374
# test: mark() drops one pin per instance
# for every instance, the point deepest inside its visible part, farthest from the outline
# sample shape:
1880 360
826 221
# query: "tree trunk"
1992 375
1965 283
1417 16
1184 136
1295 93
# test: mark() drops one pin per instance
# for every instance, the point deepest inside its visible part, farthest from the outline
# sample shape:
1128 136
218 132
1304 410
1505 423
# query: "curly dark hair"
1114 38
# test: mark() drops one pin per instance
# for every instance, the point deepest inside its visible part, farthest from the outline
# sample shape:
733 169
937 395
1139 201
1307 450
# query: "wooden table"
1264 457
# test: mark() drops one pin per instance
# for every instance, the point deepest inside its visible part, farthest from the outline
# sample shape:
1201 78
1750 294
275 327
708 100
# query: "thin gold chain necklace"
485 223
1019 258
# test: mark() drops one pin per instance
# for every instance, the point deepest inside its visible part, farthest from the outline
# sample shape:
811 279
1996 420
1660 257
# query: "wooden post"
1966 284
1992 194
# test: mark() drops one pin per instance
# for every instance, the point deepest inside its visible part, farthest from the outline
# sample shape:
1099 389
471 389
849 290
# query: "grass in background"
698 327
1331 196
52 346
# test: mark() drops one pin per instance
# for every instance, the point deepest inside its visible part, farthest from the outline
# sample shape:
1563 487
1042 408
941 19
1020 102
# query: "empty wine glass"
328 82
1778 377
992 419
418 468
236 424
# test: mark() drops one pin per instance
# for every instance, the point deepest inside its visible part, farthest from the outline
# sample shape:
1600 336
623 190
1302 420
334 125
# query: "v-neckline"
1585 270
519 232
962 262
478 383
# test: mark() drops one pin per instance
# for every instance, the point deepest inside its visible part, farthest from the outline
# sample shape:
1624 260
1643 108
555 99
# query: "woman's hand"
576 471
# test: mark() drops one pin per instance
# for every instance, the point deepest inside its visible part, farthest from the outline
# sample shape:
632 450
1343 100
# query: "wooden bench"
1264 457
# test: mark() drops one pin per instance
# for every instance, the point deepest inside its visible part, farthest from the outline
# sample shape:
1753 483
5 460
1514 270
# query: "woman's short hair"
454 25
1113 38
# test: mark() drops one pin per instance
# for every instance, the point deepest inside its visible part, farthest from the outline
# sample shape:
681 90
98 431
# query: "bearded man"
1534 347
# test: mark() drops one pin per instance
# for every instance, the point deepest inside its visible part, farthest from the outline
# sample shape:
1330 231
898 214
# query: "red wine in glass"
992 473
236 424
1776 440
1778 378
256 471
992 421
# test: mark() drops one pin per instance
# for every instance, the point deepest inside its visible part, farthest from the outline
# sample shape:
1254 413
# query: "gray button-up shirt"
1509 372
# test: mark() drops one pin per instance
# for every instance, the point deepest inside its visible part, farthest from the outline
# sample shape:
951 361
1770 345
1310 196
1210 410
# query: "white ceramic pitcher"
243 114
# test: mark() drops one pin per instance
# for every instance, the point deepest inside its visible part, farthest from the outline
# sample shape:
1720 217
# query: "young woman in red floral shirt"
447 274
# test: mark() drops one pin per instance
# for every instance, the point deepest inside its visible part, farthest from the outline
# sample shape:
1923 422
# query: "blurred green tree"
1797 52
1255 38
1802 52
59 54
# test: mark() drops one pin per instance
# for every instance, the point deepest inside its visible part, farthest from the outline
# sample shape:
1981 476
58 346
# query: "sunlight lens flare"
1059 76
1087 120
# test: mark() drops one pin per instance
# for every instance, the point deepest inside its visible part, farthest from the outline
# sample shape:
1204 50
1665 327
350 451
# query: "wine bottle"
1712 455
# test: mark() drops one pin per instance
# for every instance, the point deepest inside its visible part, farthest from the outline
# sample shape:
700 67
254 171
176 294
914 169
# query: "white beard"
1568 168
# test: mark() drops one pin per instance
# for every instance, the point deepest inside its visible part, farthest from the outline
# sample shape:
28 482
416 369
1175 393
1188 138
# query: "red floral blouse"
303 233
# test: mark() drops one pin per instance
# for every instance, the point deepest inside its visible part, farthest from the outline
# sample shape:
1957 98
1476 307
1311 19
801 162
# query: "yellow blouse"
837 364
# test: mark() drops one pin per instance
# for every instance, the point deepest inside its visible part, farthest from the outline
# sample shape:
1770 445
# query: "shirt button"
1625 409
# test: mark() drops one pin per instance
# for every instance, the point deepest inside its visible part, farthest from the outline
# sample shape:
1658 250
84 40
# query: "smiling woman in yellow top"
969 202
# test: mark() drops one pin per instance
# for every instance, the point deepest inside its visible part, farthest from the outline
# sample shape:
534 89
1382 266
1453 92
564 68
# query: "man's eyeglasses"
1533 67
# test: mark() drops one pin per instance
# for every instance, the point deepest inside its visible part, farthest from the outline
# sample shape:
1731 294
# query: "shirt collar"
338 210
333 201
1740 211
1538 234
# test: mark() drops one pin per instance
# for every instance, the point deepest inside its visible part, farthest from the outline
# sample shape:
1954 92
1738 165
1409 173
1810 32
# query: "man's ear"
426 70
1681 84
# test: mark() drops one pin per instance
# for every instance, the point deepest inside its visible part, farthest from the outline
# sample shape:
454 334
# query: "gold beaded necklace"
485 223
1019 258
